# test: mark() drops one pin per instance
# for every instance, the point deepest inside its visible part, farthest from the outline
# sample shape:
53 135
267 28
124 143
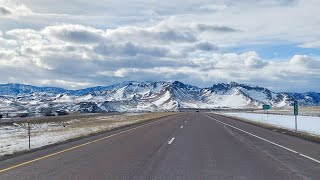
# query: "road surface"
185 146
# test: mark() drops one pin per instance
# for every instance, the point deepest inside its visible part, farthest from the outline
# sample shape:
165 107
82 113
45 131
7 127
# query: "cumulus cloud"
214 28
5 42
24 34
305 61
252 60
213 7
22 10
153 34
78 65
74 33
206 46
15 10
314 44
64 83
198 48
197 42
129 49
53 54
5 10
238 61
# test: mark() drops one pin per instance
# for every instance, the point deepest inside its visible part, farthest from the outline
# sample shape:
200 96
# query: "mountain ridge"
132 96
231 83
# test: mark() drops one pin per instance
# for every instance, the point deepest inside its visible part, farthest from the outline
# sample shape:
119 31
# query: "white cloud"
24 34
157 34
213 7
252 60
110 62
5 11
64 83
15 10
305 62
247 60
5 42
129 49
314 44
22 10
191 41
74 33
214 28
41 64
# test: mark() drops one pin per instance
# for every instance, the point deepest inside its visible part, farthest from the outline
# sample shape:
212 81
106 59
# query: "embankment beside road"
14 137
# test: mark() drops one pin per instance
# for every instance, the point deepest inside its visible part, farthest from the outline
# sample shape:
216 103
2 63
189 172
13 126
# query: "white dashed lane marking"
171 140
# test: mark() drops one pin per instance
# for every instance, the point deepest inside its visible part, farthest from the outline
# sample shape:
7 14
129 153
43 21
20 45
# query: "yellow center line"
72 148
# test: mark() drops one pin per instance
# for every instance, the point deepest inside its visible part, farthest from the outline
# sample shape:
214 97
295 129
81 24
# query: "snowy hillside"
143 96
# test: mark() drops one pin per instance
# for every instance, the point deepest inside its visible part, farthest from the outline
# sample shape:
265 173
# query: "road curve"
186 146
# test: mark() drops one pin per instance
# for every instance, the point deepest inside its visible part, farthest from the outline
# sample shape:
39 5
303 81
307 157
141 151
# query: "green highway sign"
266 107
295 108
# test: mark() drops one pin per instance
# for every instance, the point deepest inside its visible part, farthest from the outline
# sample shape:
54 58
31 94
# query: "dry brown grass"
100 123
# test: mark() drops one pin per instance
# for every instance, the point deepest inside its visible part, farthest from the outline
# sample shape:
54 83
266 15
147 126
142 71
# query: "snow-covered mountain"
144 96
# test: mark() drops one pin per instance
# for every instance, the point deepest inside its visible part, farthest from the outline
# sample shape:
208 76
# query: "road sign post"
265 108
295 112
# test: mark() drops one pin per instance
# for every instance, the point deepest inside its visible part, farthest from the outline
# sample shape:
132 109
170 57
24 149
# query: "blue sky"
78 43
278 51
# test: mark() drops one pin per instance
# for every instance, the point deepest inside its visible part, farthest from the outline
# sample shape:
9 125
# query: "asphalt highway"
191 145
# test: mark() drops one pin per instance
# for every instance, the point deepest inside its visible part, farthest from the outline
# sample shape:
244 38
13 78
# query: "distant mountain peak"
236 84
233 83
178 84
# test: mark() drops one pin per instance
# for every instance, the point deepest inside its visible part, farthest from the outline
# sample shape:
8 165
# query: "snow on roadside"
14 138
307 124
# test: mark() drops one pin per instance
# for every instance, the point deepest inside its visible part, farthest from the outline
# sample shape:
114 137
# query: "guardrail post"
29 129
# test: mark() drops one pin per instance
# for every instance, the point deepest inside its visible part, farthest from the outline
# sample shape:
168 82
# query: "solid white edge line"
308 157
172 139
268 141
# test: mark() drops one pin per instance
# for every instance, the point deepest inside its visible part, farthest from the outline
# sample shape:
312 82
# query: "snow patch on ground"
163 99
14 138
307 124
